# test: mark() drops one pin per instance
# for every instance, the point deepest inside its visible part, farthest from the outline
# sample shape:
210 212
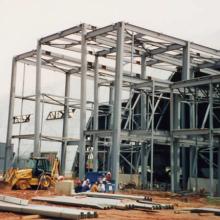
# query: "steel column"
116 132
96 115
211 172
174 149
143 126
10 112
218 171
152 139
83 98
185 76
65 124
110 123
37 142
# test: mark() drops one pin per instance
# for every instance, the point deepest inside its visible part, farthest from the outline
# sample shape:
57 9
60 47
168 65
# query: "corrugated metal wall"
2 156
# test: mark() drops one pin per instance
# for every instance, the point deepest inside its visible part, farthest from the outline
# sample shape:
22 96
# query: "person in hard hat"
86 185
108 177
101 186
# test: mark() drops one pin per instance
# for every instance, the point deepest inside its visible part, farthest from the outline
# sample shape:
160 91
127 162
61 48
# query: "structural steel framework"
119 57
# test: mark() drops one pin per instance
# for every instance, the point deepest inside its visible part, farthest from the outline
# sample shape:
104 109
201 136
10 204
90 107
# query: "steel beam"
196 82
116 132
205 49
37 142
154 34
101 31
25 55
61 34
65 124
83 99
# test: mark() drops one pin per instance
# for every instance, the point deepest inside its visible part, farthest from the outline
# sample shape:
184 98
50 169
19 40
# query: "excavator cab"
39 166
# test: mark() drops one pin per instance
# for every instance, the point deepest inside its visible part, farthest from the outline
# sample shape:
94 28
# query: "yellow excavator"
38 172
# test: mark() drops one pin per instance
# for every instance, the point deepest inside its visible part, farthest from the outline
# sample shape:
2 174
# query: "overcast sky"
22 22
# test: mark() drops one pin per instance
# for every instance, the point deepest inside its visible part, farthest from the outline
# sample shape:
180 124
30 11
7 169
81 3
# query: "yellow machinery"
39 173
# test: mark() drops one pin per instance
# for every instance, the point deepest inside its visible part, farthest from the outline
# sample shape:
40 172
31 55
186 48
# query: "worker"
78 186
94 187
108 177
86 185
101 186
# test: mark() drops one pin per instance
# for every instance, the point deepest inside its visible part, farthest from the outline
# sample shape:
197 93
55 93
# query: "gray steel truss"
83 51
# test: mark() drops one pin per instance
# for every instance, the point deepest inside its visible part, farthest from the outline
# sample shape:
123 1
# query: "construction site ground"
179 202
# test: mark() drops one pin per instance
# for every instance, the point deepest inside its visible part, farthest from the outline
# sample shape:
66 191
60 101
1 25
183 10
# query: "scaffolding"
120 57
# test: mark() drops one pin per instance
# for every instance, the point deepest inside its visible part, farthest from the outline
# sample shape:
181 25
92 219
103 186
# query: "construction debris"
48 211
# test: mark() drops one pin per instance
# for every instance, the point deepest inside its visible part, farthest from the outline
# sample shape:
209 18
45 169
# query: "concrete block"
65 187
14 200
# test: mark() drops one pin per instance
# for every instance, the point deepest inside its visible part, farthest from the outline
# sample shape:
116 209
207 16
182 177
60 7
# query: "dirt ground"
179 202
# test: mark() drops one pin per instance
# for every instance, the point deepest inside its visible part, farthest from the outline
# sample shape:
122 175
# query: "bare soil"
180 202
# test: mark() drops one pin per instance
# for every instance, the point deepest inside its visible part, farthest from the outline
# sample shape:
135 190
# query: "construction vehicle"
38 172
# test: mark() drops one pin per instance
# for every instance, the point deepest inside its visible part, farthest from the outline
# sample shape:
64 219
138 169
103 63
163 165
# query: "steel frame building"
121 44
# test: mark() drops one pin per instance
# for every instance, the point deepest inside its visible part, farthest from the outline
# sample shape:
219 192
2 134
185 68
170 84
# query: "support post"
110 123
152 140
10 113
82 144
186 62
174 148
96 115
143 126
211 172
185 76
37 142
116 132
218 170
65 124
